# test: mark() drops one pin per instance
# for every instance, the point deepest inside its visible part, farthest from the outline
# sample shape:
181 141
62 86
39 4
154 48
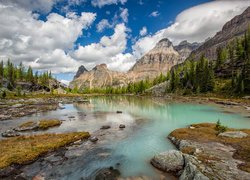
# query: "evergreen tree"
1 73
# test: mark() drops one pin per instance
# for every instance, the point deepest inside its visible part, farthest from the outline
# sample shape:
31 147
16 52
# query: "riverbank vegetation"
11 74
25 149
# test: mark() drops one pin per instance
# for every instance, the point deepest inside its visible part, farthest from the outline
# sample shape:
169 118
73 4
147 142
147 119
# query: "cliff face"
232 29
185 48
80 71
158 60
99 76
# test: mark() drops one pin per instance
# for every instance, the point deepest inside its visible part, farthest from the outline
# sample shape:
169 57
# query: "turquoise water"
160 119
148 124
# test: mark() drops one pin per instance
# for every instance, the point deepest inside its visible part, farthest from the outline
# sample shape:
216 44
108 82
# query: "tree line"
11 74
200 76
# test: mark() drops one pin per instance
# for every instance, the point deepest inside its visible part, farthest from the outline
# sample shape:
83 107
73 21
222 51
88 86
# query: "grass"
42 124
26 149
45 124
206 132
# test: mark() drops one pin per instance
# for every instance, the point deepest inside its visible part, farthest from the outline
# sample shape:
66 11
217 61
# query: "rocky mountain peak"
100 67
164 43
80 71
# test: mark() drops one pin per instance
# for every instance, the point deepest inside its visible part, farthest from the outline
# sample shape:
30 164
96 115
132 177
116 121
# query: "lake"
148 123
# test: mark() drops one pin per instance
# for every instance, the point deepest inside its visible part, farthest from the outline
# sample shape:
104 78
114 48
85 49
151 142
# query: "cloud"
42 44
194 24
101 3
108 50
124 14
154 14
43 6
103 24
143 31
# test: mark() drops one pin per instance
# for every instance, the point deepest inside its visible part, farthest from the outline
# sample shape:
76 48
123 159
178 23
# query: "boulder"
10 133
33 126
169 161
191 172
107 174
234 134
122 126
93 139
105 127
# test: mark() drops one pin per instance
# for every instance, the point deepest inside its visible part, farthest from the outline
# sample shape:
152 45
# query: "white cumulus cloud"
194 24
143 31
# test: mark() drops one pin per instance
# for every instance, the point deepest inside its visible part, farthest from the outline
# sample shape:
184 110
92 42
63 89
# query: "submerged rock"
93 139
234 134
122 126
105 127
169 161
108 174
10 133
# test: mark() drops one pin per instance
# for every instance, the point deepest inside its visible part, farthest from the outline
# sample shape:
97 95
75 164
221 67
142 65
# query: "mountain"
80 71
231 30
158 60
100 76
185 48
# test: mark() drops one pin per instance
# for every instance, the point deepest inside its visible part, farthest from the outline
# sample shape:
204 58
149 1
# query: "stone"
33 126
107 174
17 105
93 139
10 133
191 172
105 127
234 134
169 161
122 126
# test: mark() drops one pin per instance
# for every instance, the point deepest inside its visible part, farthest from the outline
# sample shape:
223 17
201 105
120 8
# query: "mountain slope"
158 60
232 29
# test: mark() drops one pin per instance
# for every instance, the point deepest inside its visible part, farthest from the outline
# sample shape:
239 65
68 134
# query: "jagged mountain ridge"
234 28
158 60
80 71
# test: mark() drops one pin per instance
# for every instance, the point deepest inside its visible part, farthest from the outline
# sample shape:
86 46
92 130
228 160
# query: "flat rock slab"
234 134
169 161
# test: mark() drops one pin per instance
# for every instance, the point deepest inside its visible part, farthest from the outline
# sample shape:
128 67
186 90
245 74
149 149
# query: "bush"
220 128
3 95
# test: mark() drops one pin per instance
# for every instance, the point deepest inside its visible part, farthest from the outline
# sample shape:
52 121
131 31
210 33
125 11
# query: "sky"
61 35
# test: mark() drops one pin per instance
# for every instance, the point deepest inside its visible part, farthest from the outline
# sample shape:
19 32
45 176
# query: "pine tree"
1 73
30 77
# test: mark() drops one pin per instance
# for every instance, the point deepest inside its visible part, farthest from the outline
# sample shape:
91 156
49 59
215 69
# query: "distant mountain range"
162 58
158 60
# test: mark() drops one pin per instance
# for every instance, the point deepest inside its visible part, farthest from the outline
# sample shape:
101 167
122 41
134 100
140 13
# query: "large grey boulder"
169 161
234 134
191 172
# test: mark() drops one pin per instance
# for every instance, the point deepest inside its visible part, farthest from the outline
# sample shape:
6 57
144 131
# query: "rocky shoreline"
206 157
15 108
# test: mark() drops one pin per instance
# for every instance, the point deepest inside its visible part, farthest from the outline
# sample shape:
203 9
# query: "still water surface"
147 125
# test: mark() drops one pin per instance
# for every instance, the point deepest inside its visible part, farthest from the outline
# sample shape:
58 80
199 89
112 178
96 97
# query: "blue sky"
61 35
